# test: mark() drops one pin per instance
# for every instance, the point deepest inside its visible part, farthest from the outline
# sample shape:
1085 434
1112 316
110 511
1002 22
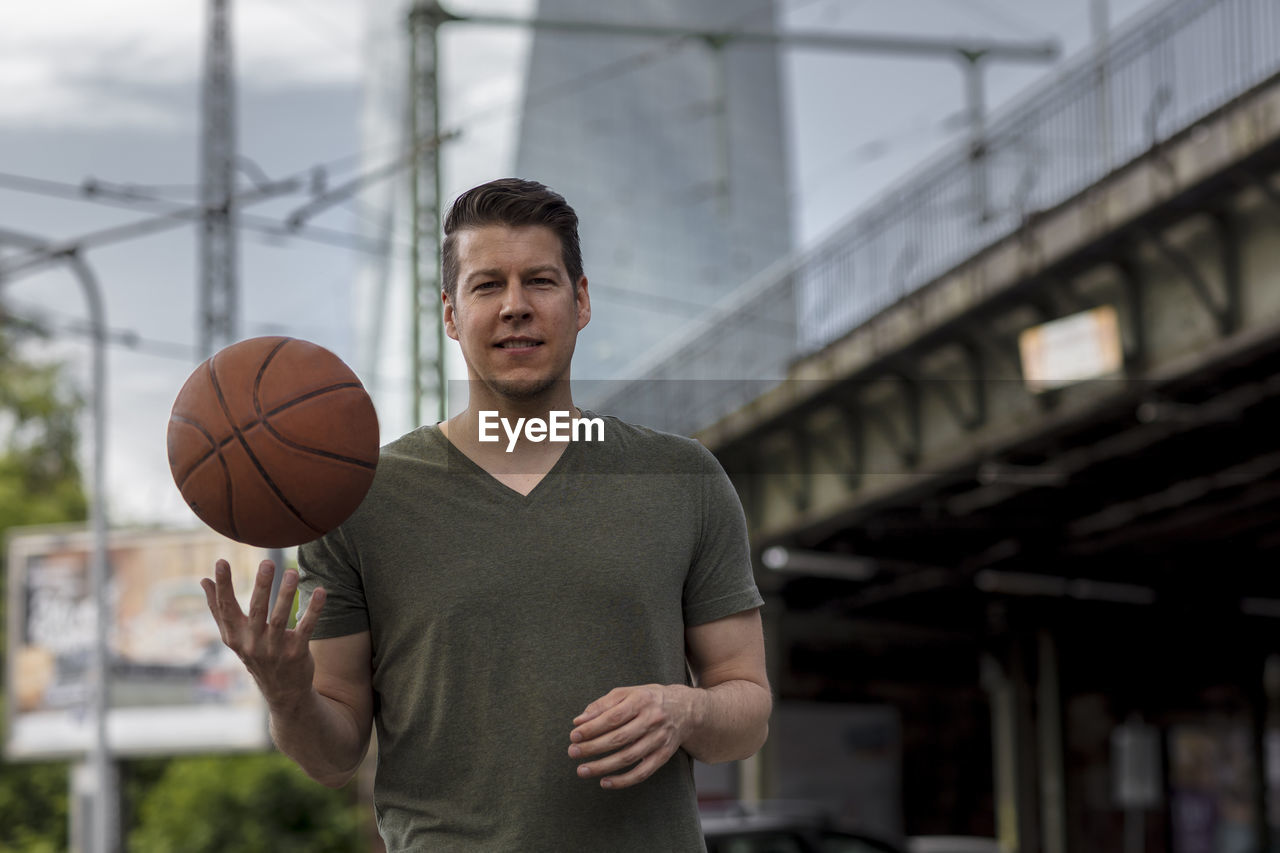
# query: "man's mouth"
519 344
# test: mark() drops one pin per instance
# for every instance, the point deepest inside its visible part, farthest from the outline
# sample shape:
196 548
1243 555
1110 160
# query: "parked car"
782 829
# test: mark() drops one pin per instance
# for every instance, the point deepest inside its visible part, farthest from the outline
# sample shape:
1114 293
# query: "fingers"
639 761
629 733
613 742
646 756
224 605
610 701
261 595
220 596
211 598
617 728
307 622
279 619
210 595
278 659
593 710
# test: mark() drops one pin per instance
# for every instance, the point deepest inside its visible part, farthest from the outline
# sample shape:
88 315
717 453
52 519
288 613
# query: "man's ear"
450 321
584 303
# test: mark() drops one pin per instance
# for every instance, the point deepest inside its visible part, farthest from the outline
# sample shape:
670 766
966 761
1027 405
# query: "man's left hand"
636 730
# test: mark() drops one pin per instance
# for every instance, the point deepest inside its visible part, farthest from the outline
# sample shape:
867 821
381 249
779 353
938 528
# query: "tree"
40 479
39 484
246 803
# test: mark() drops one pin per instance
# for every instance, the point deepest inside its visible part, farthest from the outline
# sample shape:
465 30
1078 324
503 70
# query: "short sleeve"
329 562
720 581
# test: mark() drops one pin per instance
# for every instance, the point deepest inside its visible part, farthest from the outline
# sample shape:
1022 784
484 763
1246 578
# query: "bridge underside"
1019 571
1172 490
916 446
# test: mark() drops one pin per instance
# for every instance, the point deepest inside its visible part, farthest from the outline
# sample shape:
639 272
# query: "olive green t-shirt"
495 618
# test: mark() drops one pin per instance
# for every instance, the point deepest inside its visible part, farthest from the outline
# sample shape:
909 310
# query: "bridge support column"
1053 795
1022 689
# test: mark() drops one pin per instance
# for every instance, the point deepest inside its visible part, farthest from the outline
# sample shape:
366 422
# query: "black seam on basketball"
359 463
214 446
266 424
249 451
215 452
312 394
226 469
262 369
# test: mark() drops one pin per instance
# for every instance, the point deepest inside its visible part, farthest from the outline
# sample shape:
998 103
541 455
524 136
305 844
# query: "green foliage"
39 484
39 416
247 804
33 808
237 804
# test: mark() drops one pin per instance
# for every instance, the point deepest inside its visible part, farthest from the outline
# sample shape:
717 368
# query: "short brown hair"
512 202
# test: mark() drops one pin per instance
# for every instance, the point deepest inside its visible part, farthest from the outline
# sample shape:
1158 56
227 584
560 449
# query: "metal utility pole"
975 97
1100 27
1100 22
106 793
426 215
219 258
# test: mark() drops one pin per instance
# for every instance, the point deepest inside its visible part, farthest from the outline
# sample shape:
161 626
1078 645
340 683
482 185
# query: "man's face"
515 313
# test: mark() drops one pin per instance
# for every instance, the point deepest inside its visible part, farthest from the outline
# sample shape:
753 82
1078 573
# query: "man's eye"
486 284
543 281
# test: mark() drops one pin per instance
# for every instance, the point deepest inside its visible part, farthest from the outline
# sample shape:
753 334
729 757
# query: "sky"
110 93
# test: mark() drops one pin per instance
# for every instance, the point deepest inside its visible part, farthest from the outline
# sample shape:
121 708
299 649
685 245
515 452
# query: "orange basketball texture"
273 441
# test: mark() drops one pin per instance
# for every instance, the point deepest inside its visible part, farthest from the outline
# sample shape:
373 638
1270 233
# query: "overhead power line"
337 34
1038 51
128 339
133 197
346 190
1006 17
670 39
56 250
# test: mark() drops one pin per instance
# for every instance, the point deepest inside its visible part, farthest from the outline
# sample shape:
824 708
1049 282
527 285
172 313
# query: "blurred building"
673 153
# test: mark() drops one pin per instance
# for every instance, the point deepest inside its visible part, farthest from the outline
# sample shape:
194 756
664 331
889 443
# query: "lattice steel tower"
219 257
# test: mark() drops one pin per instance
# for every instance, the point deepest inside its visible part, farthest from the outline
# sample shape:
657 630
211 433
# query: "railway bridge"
1008 448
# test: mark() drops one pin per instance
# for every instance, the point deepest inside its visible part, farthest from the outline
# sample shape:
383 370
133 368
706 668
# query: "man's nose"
515 303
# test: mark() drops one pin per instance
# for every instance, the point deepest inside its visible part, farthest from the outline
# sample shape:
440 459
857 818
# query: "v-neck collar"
496 486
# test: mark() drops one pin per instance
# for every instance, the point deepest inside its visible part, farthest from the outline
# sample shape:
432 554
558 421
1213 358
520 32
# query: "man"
544 632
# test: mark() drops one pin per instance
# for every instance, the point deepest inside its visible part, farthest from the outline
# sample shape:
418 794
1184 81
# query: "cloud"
84 63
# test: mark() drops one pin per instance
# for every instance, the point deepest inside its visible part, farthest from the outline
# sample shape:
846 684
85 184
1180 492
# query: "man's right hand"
278 657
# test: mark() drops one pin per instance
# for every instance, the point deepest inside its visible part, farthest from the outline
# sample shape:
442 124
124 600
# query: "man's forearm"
321 735
727 722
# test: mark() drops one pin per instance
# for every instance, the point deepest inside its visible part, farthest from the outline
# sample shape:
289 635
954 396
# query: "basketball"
273 441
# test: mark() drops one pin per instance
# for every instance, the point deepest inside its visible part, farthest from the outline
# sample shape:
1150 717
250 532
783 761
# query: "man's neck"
507 452
503 434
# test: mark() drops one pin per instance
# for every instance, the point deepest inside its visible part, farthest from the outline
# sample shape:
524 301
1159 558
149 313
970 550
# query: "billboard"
174 687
